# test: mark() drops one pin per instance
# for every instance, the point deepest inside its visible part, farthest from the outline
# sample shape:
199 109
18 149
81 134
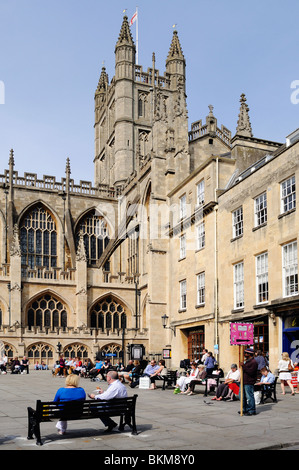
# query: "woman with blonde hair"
285 367
70 392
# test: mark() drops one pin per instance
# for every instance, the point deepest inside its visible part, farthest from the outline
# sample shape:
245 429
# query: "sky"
52 53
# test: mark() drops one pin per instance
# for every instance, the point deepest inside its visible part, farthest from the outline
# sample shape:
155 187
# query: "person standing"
285 367
210 363
250 367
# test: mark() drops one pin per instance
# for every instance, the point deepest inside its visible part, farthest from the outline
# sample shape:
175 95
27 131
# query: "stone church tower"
141 115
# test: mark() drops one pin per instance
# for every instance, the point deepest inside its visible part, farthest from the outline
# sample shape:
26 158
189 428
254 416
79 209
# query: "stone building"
160 234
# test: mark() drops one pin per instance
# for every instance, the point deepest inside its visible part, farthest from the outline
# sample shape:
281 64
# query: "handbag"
290 367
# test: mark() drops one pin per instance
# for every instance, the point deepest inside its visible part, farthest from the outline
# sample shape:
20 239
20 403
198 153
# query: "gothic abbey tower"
141 115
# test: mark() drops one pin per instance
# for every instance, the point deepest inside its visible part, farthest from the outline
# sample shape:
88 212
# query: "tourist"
70 392
249 366
115 389
233 376
285 367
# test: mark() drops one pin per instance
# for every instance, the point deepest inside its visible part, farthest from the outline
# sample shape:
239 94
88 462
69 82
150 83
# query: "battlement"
49 183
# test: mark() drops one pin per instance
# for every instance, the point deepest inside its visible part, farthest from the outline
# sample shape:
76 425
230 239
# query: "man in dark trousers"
249 367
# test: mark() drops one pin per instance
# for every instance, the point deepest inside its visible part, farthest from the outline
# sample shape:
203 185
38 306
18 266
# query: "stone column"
81 283
15 279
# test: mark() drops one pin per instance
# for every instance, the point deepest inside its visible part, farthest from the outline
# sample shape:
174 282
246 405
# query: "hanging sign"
241 334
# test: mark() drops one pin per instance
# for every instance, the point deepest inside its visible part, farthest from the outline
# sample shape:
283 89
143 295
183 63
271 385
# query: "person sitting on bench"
115 389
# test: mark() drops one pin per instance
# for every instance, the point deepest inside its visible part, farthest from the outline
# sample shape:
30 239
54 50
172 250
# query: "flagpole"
137 36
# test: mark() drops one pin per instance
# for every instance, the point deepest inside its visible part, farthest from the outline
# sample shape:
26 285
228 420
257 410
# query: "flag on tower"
133 19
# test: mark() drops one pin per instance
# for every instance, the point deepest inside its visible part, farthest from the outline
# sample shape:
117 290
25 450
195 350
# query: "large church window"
95 235
47 311
38 239
109 314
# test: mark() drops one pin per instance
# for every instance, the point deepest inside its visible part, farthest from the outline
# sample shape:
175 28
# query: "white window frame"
262 284
200 193
200 236
183 207
238 222
183 246
183 294
239 285
201 288
290 269
260 210
288 194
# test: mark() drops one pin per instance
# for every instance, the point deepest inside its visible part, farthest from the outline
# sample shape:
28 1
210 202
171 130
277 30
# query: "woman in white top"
285 375
184 380
232 376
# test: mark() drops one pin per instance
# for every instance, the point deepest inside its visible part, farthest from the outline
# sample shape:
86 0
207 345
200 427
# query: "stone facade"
93 267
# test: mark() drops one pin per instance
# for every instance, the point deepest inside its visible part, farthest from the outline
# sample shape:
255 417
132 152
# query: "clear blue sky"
51 55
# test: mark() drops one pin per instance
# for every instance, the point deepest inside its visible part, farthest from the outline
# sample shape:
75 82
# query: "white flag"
133 19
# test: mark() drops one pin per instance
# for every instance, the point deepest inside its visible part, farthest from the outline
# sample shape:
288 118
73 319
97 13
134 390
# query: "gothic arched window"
94 229
47 311
109 314
38 239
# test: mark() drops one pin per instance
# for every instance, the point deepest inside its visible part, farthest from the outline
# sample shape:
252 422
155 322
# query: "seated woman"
231 377
70 392
184 380
159 373
202 374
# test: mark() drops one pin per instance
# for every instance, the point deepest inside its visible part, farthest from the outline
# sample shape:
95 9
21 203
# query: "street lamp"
164 323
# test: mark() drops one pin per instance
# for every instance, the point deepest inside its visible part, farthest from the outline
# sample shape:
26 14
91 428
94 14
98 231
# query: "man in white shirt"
115 390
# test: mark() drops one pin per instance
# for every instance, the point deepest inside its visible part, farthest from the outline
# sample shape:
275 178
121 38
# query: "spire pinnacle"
244 126
175 51
103 81
125 35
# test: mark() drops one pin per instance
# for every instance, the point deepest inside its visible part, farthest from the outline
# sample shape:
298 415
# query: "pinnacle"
244 126
175 51
125 36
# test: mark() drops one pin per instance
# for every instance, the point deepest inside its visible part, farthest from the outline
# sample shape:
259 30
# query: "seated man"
151 368
96 369
115 390
24 365
267 379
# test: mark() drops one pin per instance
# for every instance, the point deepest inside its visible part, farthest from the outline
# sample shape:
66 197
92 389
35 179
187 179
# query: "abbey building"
181 233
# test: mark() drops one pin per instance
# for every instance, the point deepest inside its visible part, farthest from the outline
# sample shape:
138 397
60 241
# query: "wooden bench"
78 410
169 379
204 383
269 391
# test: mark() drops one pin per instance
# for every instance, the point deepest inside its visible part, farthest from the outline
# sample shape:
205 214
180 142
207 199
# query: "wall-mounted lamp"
59 346
164 324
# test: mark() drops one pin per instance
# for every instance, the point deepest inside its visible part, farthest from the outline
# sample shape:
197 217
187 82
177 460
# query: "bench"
169 379
268 391
204 383
79 410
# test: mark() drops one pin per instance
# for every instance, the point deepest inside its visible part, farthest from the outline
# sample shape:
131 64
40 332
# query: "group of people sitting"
64 367
132 372
15 366
207 370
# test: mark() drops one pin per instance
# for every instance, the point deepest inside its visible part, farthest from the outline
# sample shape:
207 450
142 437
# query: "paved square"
165 422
